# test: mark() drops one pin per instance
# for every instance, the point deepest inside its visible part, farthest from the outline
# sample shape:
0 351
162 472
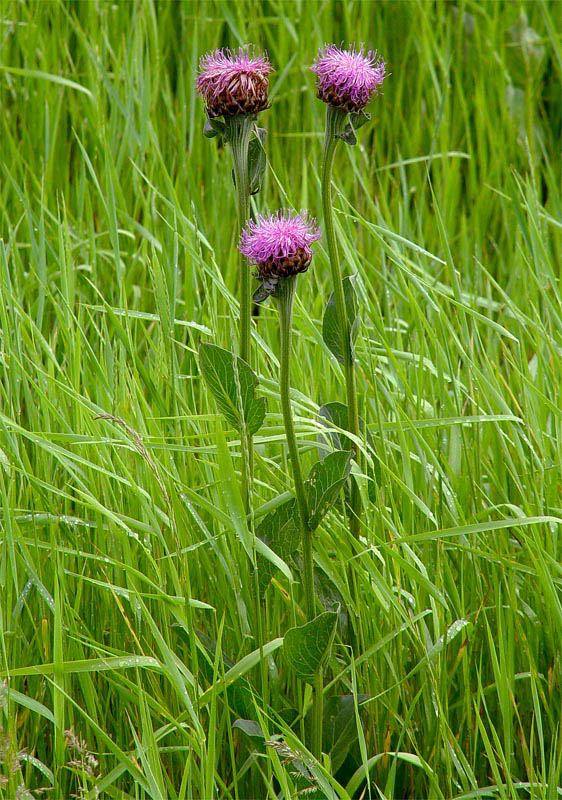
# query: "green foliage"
308 646
334 415
280 531
324 484
232 383
330 324
119 547
339 732
213 127
356 121
257 160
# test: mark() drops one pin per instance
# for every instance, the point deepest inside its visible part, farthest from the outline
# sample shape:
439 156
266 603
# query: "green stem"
259 621
284 296
317 714
239 132
239 135
335 124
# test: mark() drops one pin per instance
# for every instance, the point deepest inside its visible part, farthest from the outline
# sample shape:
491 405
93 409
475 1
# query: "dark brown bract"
285 267
245 94
330 96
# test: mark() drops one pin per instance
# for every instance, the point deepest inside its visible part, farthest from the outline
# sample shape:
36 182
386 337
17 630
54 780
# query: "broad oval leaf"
232 383
325 481
336 413
339 726
280 531
250 727
330 324
330 596
213 127
308 647
255 413
257 161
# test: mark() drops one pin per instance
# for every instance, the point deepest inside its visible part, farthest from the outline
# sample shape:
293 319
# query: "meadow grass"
127 637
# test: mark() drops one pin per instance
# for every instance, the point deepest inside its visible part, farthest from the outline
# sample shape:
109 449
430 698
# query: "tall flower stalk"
235 86
279 245
284 300
346 81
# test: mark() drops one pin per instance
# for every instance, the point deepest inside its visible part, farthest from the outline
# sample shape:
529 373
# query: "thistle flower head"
233 83
347 78
279 244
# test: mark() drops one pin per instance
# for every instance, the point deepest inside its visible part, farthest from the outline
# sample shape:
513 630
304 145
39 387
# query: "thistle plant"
234 86
280 247
346 81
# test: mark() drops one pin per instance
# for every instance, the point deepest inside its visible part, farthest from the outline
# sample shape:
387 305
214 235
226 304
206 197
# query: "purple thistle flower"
347 78
279 244
233 83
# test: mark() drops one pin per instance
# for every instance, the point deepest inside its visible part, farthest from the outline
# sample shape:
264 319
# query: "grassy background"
126 594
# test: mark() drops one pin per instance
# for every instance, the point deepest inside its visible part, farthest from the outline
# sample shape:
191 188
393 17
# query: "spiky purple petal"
278 236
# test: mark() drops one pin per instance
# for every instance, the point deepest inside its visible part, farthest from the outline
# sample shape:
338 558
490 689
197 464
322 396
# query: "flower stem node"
347 78
233 83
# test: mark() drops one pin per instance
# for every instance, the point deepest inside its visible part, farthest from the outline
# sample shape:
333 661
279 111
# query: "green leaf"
348 135
339 728
410 758
250 727
47 76
241 697
330 326
325 481
231 499
280 531
308 646
232 383
256 412
359 119
356 121
213 127
336 414
266 289
33 705
330 596
276 562
257 161
239 670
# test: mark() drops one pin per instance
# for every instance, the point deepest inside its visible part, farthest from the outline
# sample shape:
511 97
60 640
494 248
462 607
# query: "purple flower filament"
279 244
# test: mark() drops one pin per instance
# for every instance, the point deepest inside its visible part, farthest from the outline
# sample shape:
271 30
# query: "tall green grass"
127 640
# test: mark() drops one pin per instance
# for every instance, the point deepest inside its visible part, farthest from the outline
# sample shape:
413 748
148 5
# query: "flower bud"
279 246
347 78
233 83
